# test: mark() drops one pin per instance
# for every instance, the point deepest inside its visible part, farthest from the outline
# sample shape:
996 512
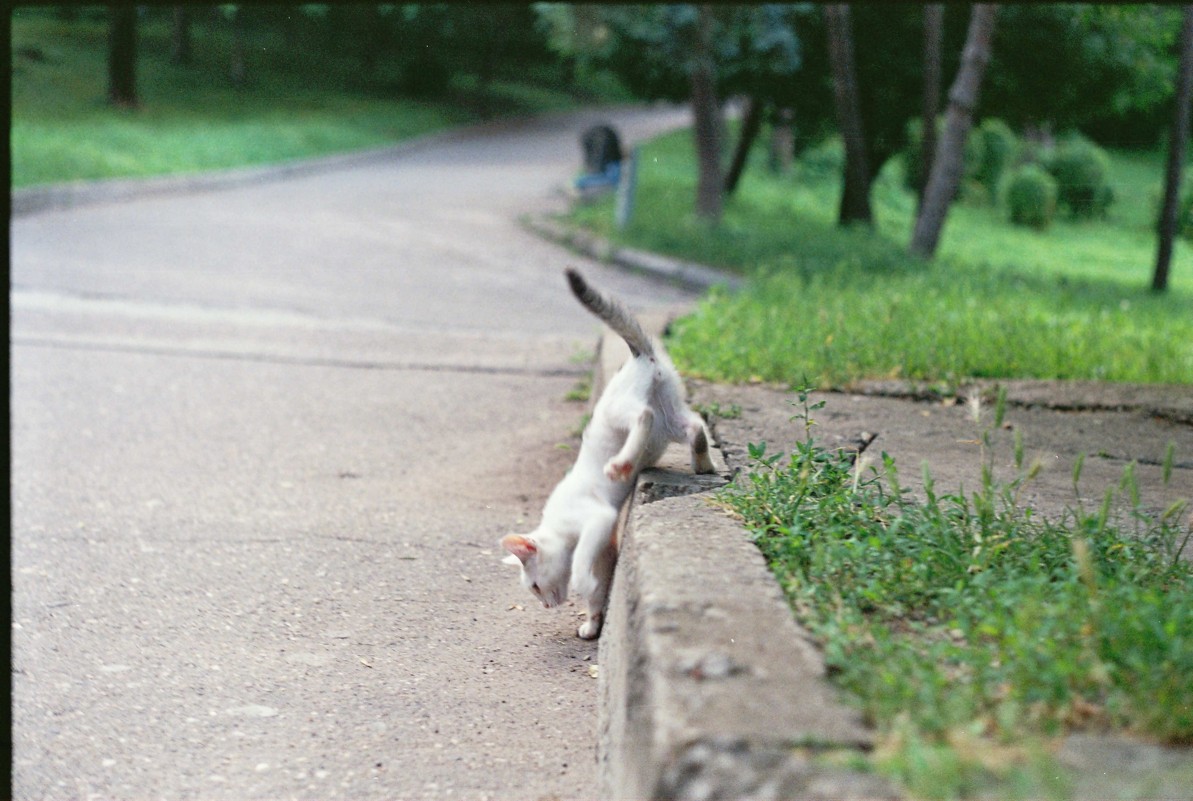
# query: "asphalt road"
264 441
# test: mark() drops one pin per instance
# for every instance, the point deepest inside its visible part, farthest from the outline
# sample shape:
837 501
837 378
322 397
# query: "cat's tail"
615 315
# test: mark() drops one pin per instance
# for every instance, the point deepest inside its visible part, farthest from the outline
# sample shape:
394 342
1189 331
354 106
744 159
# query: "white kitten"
640 412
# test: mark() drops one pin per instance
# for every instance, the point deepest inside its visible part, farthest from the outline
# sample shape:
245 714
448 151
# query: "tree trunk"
933 34
122 55
750 125
1177 142
782 141
485 65
855 198
237 67
180 36
705 110
371 40
945 176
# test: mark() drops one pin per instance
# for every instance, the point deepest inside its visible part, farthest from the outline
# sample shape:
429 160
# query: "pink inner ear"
519 546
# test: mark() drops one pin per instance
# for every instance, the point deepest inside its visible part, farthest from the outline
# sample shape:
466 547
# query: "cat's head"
546 570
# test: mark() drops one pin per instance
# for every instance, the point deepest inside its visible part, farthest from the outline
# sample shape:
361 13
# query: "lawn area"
842 305
191 117
972 633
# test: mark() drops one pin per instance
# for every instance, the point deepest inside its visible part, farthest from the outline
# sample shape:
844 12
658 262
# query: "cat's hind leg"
697 436
628 460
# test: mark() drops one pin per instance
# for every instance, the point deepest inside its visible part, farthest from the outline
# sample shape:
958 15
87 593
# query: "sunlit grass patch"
192 119
934 322
840 305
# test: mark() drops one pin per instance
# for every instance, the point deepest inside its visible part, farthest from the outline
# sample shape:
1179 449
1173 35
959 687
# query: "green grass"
970 631
842 305
192 119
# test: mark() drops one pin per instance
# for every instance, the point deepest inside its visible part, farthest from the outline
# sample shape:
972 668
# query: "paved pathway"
264 441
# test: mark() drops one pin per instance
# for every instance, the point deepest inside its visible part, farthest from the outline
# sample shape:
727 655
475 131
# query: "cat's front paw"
590 629
617 470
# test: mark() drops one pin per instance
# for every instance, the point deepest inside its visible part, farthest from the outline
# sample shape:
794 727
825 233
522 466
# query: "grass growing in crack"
716 410
581 391
966 628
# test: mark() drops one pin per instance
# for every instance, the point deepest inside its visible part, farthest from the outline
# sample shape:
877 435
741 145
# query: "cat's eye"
534 588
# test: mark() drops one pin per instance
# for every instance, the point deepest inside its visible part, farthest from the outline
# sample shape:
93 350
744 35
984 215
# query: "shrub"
823 159
1082 172
1031 196
999 144
1185 220
973 158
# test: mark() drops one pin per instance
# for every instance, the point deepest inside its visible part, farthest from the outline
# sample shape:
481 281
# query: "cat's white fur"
639 413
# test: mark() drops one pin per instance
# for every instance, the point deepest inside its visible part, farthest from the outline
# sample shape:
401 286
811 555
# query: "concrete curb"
708 687
689 274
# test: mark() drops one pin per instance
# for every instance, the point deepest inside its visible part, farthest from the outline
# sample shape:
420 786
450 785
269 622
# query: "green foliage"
649 47
1071 64
889 86
1078 64
964 618
999 145
1031 197
1185 220
1082 171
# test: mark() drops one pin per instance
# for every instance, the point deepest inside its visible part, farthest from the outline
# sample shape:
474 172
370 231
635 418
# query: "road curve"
264 441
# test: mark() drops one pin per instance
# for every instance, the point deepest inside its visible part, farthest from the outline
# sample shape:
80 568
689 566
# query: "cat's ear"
519 546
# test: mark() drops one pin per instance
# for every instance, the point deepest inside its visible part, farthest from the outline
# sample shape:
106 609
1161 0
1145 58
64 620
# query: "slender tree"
238 70
180 36
855 199
933 35
945 176
750 126
122 55
1177 142
705 110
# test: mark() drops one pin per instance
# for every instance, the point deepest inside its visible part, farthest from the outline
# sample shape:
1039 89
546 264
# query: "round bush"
1031 197
1082 172
999 144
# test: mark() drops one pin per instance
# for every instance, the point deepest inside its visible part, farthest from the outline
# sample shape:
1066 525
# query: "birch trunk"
945 175
855 197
